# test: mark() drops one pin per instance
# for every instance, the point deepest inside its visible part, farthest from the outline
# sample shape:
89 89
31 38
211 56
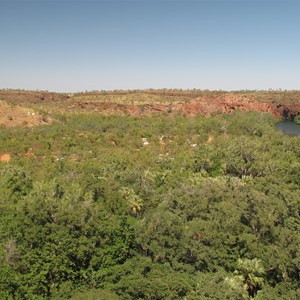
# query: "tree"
251 274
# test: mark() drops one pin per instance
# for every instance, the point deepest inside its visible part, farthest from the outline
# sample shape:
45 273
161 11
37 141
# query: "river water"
288 127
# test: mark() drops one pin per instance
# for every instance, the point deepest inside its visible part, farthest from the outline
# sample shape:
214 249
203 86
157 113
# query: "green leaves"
250 275
96 214
14 184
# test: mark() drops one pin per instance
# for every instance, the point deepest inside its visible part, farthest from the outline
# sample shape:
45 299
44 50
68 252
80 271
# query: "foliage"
209 211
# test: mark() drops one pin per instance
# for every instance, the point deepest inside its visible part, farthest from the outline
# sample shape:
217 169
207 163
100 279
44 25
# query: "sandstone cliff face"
285 104
227 103
204 105
288 111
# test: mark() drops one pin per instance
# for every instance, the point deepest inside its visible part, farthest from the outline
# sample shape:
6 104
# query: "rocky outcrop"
227 103
190 103
288 111
204 105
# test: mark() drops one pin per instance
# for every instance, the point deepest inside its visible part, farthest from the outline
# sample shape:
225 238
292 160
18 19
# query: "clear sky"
93 45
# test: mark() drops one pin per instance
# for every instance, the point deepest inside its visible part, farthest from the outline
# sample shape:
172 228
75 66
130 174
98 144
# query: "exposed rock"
227 103
190 103
206 105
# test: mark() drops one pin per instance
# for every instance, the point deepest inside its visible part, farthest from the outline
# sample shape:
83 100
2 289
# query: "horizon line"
149 89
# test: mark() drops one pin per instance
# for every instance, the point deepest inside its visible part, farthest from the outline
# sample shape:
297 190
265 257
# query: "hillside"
148 102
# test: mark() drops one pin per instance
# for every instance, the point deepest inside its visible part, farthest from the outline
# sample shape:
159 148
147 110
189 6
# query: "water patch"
289 127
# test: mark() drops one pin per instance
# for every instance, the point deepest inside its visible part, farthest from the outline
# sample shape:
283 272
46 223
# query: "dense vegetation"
156 207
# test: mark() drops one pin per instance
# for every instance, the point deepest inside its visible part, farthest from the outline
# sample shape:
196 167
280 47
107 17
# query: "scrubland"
122 195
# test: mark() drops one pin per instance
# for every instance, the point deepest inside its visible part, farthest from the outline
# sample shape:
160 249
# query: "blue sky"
93 45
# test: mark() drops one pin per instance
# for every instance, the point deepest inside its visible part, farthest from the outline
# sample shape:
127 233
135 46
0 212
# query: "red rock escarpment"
227 103
204 105
288 111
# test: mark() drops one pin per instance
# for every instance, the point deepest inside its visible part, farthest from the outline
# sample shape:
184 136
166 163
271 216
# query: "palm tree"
251 273
134 201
